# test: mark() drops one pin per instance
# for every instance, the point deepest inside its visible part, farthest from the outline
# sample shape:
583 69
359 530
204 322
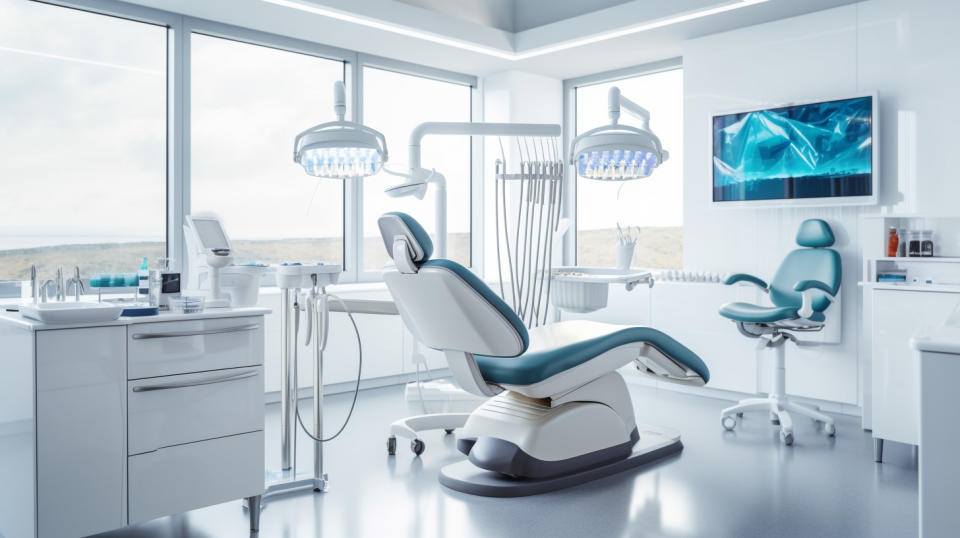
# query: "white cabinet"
102 427
81 431
897 316
184 477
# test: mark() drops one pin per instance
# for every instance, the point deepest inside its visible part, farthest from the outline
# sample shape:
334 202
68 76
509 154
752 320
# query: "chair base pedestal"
655 443
777 404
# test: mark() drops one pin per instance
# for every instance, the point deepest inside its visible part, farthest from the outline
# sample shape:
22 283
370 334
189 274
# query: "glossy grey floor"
736 484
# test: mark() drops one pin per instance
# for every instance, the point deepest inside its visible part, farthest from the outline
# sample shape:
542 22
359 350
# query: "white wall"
904 50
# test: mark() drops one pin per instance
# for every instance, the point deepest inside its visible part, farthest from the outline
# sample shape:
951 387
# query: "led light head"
618 152
340 149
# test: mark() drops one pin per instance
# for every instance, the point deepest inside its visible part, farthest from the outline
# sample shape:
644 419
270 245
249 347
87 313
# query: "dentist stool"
805 285
558 414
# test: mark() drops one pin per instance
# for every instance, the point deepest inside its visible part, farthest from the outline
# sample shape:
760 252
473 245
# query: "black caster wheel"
740 414
417 446
774 419
392 445
448 431
787 438
830 429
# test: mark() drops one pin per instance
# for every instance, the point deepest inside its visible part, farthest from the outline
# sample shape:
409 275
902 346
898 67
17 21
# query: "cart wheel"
787 438
830 429
739 414
417 446
392 445
448 431
728 422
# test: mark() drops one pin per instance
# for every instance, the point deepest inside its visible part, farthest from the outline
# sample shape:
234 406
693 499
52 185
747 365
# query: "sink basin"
71 312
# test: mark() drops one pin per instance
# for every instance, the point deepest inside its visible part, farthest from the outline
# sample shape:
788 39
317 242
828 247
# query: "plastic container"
186 304
893 243
926 243
242 283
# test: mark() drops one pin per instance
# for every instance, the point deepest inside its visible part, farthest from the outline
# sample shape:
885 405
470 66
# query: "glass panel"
653 205
395 103
83 132
248 104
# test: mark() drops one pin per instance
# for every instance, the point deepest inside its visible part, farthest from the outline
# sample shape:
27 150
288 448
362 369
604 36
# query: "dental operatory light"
340 149
618 152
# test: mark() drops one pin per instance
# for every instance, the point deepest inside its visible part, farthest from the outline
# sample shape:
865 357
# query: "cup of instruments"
625 254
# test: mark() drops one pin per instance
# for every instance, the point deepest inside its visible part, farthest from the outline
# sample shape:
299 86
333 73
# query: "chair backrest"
815 262
443 303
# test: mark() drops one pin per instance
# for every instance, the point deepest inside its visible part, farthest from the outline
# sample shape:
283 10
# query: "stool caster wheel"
728 422
392 446
448 431
786 437
739 414
417 446
830 429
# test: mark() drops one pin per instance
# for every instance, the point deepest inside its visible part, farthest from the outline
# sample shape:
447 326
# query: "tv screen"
808 151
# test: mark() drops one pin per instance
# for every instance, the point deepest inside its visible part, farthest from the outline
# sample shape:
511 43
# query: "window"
395 103
654 205
248 102
83 132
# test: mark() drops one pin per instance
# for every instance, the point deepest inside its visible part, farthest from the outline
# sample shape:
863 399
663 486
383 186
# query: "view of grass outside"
657 248
126 257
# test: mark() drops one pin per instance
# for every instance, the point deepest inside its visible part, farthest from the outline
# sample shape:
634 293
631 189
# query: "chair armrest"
750 279
806 287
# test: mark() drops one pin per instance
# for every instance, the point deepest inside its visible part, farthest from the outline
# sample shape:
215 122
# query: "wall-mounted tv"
818 153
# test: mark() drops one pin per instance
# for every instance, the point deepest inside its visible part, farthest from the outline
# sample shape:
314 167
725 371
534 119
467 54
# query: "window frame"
570 129
407 68
180 28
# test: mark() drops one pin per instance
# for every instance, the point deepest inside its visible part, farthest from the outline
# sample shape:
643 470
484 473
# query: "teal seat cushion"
474 282
752 313
562 346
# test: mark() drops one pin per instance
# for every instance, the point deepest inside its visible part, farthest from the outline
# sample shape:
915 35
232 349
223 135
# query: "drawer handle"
224 330
211 381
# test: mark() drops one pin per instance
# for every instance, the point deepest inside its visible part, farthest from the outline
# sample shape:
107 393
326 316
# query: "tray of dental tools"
603 275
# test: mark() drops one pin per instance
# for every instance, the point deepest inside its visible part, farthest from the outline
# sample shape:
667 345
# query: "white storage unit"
135 419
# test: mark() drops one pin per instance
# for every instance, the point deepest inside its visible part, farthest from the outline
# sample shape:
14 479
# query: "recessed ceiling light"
491 51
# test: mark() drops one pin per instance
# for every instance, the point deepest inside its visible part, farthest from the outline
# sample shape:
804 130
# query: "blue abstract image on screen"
817 150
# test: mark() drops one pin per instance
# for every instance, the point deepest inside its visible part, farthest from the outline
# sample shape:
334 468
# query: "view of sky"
658 199
82 127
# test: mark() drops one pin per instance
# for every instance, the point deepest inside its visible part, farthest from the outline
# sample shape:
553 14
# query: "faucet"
78 289
34 284
61 289
43 289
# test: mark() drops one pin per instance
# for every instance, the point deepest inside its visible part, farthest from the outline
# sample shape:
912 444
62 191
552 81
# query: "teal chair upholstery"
804 286
814 269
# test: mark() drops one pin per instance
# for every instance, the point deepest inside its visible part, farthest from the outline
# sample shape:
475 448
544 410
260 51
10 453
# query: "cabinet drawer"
185 477
181 347
180 409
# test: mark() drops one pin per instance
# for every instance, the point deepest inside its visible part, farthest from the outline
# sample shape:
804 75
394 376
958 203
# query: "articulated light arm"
464 129
614 103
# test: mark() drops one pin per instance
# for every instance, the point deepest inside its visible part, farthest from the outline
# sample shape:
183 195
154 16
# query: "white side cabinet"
898 315
113 425
81 431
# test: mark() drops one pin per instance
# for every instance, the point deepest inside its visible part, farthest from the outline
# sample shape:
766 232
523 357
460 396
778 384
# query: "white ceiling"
557 38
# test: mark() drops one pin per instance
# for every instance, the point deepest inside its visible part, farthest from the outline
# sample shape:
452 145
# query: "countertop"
942 340
16 319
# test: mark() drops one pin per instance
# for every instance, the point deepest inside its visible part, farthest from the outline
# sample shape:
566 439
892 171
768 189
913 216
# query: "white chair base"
777 404
409 427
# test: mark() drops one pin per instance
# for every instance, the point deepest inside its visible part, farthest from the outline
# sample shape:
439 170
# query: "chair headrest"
815 233
395 224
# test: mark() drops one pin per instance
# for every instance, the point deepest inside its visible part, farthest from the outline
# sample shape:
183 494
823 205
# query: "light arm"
474 129
806 287
750 279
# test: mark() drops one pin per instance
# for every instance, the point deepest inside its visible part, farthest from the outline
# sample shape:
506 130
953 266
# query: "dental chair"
558 414
805 285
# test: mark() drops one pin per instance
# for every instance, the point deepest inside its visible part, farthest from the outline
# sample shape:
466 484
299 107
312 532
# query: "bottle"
893 243
143 279
902 249
926 243
913 247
